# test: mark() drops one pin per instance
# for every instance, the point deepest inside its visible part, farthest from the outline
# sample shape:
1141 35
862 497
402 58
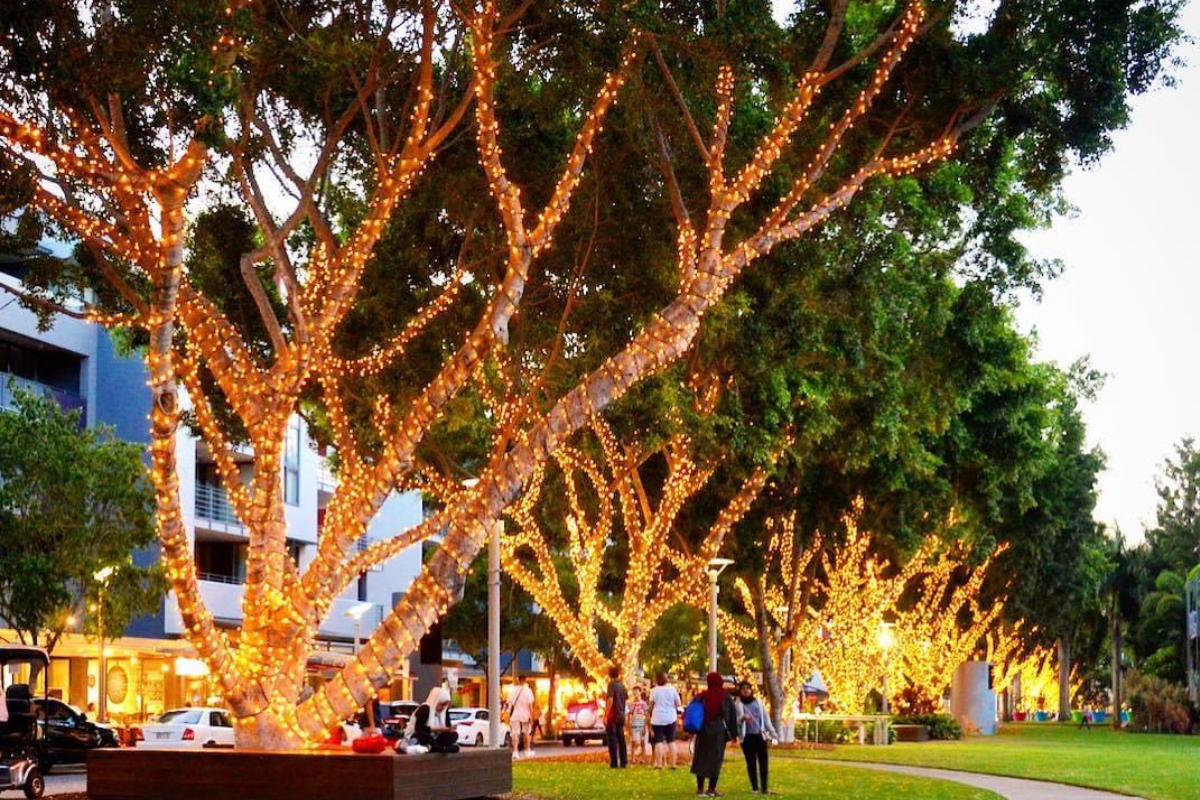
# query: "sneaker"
529 753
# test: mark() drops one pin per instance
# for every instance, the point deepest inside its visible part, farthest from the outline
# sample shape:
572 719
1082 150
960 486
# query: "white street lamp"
715 567
356 612
493 649
887 640
102 575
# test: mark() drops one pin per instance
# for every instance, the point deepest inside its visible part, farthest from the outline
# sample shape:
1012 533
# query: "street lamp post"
715 567
102 576
356 612
493 648
494 634
887 639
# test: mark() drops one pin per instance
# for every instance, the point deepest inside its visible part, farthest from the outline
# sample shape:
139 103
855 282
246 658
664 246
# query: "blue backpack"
693 716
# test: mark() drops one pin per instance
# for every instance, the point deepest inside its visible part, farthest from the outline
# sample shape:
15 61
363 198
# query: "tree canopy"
73 501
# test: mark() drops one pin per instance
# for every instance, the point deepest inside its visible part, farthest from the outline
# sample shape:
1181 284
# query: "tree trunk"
550 701
1117 678
772 679
1064 680
266 731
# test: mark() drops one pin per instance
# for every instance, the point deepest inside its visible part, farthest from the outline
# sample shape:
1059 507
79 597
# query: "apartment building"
152 667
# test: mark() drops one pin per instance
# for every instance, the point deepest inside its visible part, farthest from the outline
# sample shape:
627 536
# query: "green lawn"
791 778
1155 766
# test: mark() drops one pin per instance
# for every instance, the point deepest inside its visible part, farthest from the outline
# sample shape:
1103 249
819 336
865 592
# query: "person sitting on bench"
428 725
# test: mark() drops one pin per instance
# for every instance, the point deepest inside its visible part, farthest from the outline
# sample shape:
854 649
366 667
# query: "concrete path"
1010 788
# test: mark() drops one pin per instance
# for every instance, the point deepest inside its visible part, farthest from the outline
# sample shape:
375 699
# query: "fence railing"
213 577
212 503
11 385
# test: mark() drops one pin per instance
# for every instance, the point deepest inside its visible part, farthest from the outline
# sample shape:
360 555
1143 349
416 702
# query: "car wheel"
479 740
35 784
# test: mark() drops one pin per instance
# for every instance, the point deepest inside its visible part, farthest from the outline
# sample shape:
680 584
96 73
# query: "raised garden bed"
911 733
133 774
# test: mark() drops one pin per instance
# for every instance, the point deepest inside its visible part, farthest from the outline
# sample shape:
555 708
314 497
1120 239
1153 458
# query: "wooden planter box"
162 774
911 733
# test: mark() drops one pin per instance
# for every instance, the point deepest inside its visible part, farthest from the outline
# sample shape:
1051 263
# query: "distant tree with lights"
619 559
824 606
129 126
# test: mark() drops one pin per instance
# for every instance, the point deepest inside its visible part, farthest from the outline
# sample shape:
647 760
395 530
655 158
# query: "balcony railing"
11 385
212 503
213 577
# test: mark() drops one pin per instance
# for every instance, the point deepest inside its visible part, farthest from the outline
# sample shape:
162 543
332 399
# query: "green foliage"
941 726
522 627
790 778
679 640
1174 541
1058 550
1158 705
1157 614
1158 767
72 502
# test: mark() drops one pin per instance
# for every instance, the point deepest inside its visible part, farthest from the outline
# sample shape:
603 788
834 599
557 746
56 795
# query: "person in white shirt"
520 718
664 713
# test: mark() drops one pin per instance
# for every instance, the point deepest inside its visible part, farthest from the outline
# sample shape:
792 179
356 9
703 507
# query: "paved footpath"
1011 788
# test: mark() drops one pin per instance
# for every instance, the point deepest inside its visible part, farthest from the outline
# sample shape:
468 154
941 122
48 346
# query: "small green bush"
1158 706
941 726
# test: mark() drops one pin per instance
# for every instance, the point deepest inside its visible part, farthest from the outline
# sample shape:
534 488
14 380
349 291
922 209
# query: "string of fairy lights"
260 671
657 575
832 618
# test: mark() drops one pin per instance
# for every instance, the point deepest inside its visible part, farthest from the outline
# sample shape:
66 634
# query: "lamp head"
356 611
887 635
104 574
717 565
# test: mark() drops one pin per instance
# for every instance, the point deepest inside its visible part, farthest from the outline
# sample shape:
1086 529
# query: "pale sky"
1131 282
1129 291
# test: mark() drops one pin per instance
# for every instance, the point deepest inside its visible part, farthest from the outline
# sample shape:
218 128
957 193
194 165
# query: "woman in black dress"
720 726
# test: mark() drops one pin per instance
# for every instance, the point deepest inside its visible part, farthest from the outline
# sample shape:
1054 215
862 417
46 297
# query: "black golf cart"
18 722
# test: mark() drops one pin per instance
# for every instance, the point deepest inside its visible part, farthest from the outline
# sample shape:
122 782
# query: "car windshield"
182 716
460 716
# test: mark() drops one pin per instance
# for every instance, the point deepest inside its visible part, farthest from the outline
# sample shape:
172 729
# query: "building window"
291 463
221 562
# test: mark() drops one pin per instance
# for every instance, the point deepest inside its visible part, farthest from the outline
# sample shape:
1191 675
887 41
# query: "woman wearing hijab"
755 729
720 727
428 726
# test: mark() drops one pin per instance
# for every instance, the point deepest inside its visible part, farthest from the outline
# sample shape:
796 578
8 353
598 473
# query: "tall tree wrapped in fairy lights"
309 134
614 524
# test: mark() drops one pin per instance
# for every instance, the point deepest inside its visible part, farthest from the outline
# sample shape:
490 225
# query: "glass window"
291 463
182 716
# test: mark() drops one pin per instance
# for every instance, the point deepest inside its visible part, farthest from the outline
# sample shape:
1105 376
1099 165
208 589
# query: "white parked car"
189 727
472 727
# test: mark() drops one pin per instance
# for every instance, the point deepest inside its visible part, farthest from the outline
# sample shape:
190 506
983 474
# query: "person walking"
614 719
665 704
520 718
637 715
720 727
754 729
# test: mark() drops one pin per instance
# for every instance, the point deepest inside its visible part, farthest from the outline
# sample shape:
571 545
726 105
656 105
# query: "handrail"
212 503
